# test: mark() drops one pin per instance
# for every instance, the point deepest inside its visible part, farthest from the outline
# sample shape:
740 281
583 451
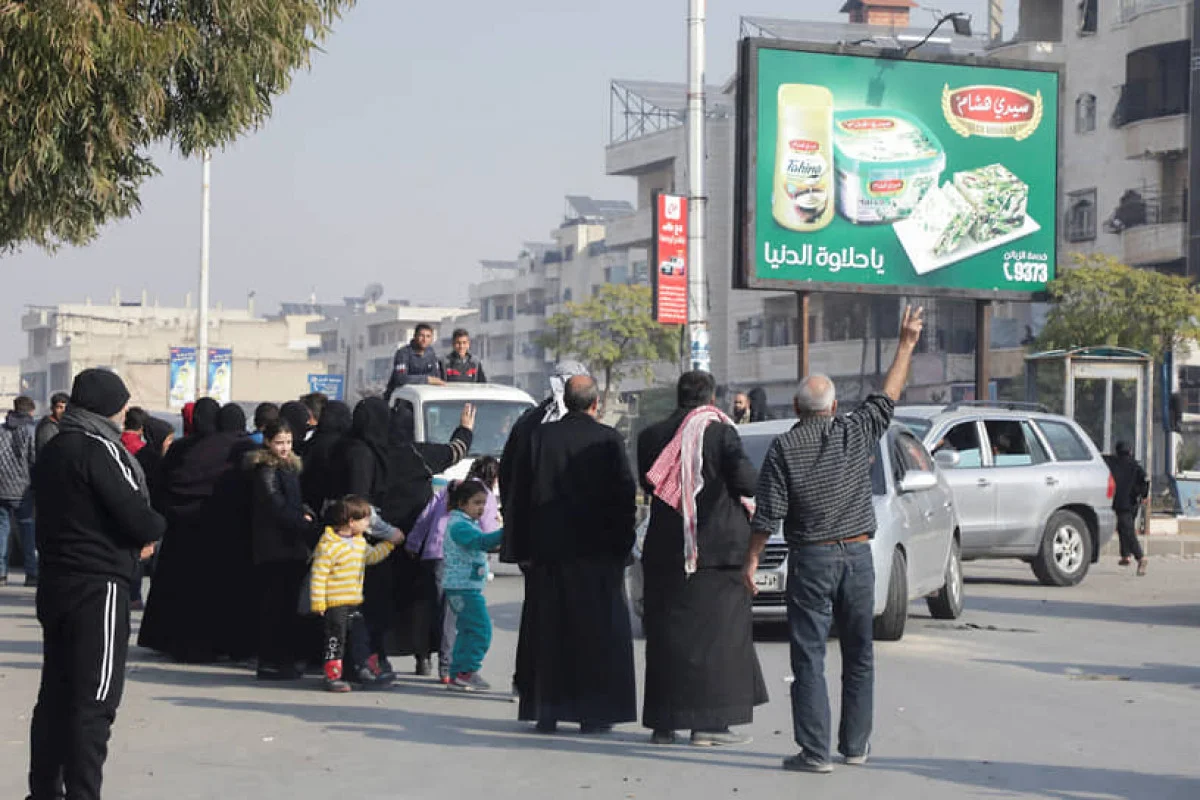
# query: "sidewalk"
1169 536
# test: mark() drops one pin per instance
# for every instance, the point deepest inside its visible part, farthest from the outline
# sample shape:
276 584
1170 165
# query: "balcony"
1156 136
632 231
1153 227
1154 22
1017 50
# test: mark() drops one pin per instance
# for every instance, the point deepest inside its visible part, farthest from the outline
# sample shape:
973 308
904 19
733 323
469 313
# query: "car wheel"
889 626
947 602
1066 552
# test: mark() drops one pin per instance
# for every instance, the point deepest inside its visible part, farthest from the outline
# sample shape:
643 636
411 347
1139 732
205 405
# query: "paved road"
1089 692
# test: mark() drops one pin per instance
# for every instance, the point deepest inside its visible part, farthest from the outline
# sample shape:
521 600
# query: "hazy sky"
427 137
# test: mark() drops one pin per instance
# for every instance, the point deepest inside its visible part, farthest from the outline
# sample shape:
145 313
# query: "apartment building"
515 298
134 338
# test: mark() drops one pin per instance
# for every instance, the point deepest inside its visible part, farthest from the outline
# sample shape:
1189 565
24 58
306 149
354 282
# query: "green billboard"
858 172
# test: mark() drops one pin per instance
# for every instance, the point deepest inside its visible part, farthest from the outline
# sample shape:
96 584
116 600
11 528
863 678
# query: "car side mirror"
947 459
918 481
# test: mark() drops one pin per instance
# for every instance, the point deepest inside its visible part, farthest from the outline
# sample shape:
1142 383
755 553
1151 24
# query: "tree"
612 333
88 87
1100 301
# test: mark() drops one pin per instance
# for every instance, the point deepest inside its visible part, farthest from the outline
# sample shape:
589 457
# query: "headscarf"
296 415
204 417
563 372
370 424
758 404
336 420
231 419
155 433
402 425
189 409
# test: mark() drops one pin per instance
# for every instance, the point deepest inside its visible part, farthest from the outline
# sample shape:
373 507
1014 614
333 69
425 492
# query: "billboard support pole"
802 364
983 349
697 277
202 311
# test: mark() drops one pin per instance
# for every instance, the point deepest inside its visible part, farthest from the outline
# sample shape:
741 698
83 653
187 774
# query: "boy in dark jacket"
460 366
94 521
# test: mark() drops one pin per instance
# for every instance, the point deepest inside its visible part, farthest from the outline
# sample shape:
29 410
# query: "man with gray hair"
815 481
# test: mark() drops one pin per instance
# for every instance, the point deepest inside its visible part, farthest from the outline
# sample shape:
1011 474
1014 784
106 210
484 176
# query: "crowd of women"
244 514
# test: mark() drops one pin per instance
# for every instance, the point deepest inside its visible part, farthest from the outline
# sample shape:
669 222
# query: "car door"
972 487
1028 485
926 557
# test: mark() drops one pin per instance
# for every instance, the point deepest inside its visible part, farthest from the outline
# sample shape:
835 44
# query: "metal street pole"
202 311
699 352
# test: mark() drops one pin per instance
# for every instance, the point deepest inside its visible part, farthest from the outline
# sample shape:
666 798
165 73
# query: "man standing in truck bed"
415 363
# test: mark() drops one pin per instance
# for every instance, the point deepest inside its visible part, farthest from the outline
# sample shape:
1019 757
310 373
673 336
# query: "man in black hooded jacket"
94 521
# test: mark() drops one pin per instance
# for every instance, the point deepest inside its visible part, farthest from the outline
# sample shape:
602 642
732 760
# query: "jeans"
22 510
827 583
474 629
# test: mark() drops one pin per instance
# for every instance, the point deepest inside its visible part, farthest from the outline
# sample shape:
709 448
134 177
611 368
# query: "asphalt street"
1089 692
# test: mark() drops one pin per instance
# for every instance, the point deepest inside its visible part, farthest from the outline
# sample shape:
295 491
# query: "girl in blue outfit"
466 569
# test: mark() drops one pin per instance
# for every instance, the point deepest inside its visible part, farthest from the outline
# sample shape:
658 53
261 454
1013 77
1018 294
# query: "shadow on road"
1147 673
1040 780
1178 615
402 725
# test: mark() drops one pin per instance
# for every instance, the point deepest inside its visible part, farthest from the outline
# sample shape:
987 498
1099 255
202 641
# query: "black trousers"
1130 546
85 640
280 627
345 629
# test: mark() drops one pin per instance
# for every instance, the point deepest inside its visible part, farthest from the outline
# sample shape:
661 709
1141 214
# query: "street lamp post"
699 352
202 311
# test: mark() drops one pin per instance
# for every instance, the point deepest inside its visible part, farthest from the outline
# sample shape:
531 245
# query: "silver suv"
1027 484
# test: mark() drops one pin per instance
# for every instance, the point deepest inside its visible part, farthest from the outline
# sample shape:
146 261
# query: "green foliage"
87 87
1100 301
611 332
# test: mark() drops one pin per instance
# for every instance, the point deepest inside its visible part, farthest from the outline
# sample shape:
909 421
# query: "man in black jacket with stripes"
94 521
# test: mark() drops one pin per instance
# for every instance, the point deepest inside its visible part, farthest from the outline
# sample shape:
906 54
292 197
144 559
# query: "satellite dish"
373 292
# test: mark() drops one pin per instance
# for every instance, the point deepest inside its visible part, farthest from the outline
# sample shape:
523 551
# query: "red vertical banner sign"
669 261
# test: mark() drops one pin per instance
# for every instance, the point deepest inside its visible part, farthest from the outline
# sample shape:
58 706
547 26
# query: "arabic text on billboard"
670 260
332 386
888 175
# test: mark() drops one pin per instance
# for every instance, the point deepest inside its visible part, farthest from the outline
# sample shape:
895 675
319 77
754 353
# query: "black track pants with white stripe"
85 639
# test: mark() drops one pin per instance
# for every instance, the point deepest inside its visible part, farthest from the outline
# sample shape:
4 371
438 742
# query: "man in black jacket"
415 363
702 673
93 523
1129 491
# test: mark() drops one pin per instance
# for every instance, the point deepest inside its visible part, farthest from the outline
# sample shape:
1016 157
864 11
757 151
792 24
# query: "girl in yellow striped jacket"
341 558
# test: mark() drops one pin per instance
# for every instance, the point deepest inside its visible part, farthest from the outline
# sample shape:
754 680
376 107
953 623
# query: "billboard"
332 386
182 375
862 173
670 259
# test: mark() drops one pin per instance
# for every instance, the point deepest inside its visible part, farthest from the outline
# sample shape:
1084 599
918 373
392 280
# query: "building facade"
270 355
515 298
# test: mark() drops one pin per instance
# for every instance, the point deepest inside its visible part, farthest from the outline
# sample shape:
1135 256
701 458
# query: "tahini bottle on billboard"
803 198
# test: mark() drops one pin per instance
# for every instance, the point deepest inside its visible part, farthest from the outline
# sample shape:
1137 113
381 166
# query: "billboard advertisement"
670 259
332 386
220 374
182 375
862 173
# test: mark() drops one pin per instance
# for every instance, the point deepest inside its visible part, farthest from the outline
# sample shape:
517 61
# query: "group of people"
293 544
417 363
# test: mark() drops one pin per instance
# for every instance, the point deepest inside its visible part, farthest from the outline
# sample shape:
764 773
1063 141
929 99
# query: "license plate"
768 581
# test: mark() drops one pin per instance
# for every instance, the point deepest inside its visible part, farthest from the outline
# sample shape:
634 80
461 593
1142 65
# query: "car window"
908 454
919 425
1013 443
963 439
1064 441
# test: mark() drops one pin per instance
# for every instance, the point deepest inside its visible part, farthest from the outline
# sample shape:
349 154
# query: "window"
60 376
569 252
483 311
1014 444
964 440
750 334
566 295
1081 216
1085 113
844 317
1064 441
908 454
1189 389
1089 16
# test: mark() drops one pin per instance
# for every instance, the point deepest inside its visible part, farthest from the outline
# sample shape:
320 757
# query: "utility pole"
202 311
699 352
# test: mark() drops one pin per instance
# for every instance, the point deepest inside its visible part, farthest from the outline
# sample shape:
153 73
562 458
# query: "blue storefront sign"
332 386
